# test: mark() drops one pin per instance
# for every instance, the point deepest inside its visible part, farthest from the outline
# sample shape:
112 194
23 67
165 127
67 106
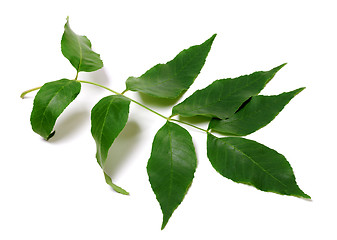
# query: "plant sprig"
233 106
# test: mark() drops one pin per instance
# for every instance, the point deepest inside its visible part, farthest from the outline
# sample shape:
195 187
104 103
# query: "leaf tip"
211 39
279 67
165 221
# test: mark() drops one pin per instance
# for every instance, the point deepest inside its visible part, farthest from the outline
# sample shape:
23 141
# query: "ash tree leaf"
50 102
246 161
108 118
171 167
223 97
257 113
170 80
77 49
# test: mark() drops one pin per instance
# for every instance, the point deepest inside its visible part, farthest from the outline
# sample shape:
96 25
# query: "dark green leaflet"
171 167
108 118
257 113
77 49
249 162
50 102
223 97
170 80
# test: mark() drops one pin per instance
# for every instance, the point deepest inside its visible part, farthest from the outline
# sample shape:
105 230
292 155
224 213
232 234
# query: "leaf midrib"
44 112
222 99
80 50
256 163
171 163
101 134
175 74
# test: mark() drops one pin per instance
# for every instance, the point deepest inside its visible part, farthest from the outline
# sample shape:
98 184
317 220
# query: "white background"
56 190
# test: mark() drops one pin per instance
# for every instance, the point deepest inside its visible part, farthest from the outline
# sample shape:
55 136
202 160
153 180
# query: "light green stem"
117 93
96 84
28 91
191 125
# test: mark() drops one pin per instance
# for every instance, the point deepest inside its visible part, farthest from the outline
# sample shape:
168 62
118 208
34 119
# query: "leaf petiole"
23 94
140 104
132 100
191 125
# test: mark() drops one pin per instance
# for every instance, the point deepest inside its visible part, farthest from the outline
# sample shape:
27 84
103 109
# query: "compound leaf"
77 49
170 80
249 162
171 167
223 97
108 118
50 102
257 113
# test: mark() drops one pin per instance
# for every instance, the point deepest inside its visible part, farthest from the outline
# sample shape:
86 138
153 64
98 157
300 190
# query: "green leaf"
257 113
171 167
249 162
223 97
77 49
114 186
170 80
50 102
108 118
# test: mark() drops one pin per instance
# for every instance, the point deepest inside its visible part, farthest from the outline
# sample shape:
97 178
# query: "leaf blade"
77 49
170 80
50 102
257 113
223 97
171 167
108 119
246 161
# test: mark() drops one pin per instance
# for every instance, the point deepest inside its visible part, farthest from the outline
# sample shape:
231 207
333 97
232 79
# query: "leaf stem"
99 85
138 103
132 100
76 75
191 125
23 94
124 91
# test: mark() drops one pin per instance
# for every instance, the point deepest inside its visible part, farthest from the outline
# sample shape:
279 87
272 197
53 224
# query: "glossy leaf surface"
77 49
50 102
170 80
223 97
249 162
257 113
108 118
171 167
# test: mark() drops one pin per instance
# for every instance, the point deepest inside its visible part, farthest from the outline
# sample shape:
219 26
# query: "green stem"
124 91
99 85
138 103
117 93
76 75
28 91
191 125
149 109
